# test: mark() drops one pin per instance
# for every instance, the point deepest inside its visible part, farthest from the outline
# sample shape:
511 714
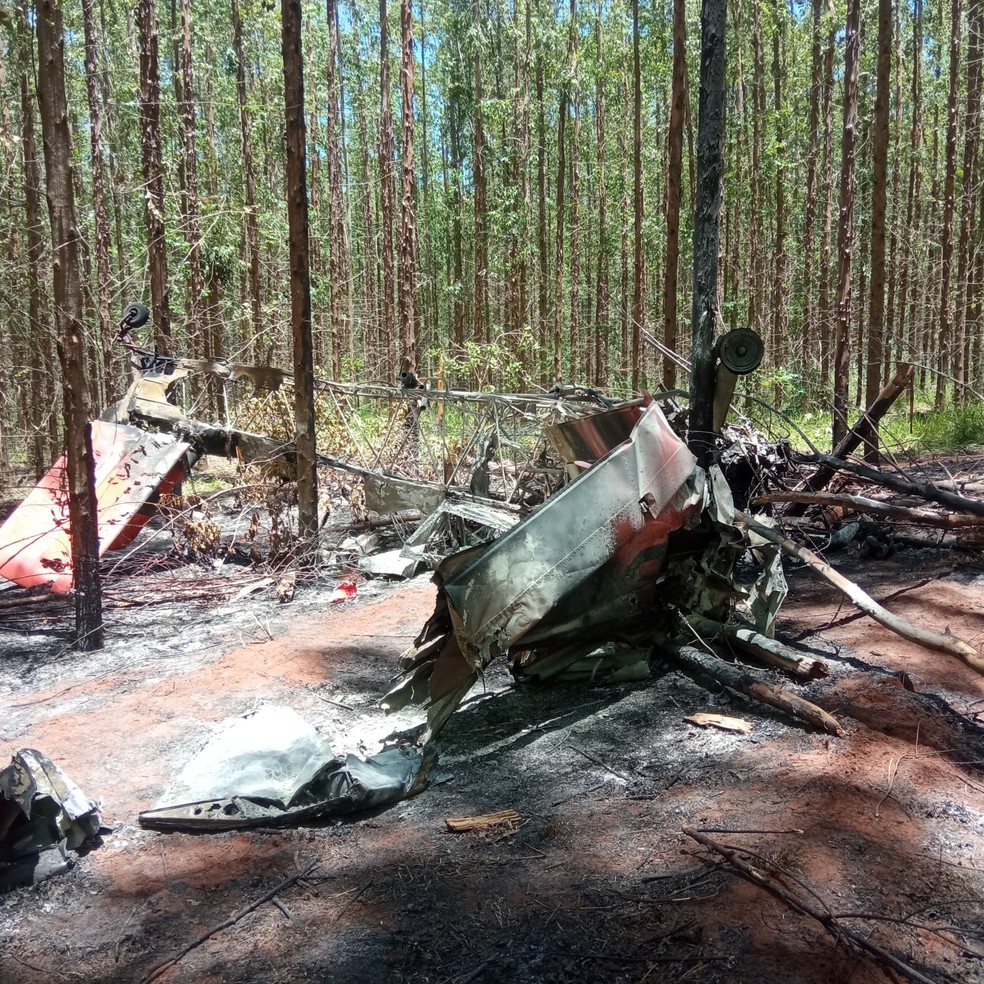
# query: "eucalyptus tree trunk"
639 272
478 176
541 225
103 279
300 276
707 223
197 318
153 170
574 339
38 342
968 204
408 221
602 305
339 258
879 203
67 291
251 216
674 172
845 227
913 204
387 180
945 337
809 246
780 312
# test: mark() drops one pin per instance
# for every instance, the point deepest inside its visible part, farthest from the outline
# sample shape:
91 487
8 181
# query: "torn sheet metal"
582 569
43 816
271 768
131 466
621 510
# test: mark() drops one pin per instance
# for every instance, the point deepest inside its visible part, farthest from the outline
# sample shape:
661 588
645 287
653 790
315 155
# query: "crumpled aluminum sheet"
620 510
43 816
271 768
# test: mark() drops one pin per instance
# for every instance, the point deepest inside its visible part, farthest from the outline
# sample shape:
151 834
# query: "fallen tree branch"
873 507
941 642
841 933
162 965
759 690
863 430
762 648
925 490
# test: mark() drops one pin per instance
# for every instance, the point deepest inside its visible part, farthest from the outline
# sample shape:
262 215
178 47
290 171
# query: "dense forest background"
501 192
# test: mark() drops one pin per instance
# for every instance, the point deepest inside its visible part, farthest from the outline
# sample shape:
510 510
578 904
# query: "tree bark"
153 171
387 178
845 227
945 337
67 290
408 226
638 325
674 166
707 223
879 203
300 278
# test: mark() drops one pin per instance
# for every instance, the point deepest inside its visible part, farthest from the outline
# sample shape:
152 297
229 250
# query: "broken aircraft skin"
43 817
588 567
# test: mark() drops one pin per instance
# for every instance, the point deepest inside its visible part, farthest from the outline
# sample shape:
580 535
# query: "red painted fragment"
131 466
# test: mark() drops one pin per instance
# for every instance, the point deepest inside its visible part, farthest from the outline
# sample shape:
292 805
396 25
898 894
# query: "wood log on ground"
873 507
927 491
751 686
861 431
941 642
763 648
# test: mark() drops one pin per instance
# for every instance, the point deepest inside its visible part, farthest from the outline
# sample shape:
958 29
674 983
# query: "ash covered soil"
597 881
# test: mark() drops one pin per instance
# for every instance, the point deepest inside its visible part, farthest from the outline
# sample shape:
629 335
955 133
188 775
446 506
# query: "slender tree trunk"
809 247
574 327
945 339
707 223
251 217
408 224
339 258
387 179
845 228
673 177
192 215
478 171
153 171
639 272
300 278
968 204
879 188
103 277
39 319
825 313
780 314
602 304
541 238
67 290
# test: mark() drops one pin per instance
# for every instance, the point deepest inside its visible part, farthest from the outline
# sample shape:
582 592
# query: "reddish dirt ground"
596 882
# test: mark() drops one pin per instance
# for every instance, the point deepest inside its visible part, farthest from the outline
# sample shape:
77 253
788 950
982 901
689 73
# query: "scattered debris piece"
705 719
460 825
271 768
343 592
132 467
43 816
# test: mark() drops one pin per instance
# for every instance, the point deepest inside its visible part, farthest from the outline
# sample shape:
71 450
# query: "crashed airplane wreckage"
606 539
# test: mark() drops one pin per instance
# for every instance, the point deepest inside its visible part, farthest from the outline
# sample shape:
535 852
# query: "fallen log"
924 490
874 507
942 642
763 648
766 693
863 430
